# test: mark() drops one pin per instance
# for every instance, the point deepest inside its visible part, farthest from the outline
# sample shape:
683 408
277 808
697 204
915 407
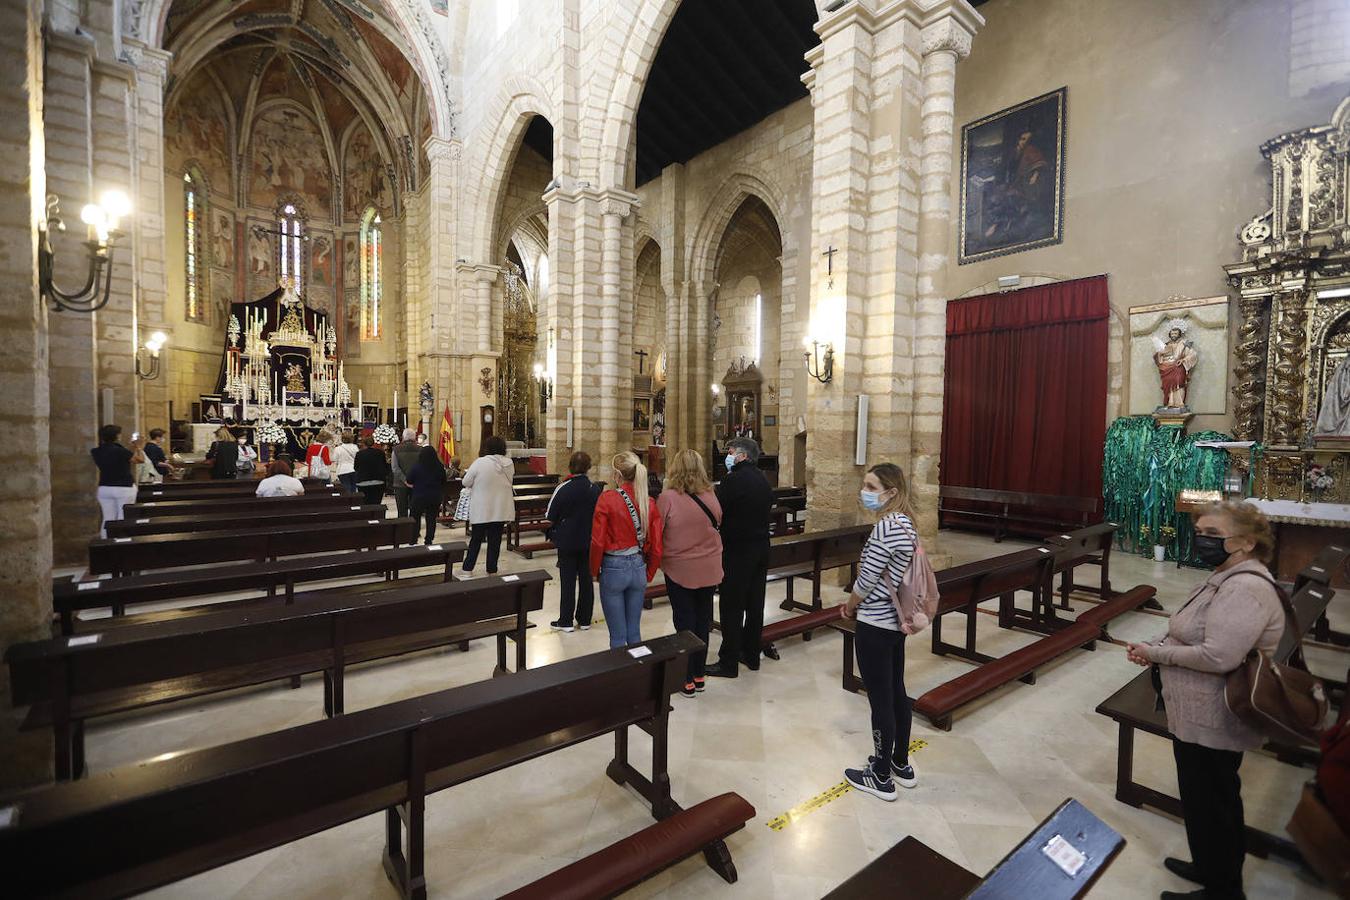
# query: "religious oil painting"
642 413
321 260
222 239
1012 179
1179 356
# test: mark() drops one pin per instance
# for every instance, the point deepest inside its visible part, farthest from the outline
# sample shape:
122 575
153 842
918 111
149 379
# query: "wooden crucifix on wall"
642 361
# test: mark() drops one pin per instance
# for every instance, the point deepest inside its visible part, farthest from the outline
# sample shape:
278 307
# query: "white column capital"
441 149
615 202
946 34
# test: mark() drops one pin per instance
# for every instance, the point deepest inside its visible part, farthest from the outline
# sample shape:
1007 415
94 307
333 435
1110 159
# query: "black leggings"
1211 805
881 662
492 533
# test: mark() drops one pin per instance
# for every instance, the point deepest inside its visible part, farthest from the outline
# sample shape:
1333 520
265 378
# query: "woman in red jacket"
625 548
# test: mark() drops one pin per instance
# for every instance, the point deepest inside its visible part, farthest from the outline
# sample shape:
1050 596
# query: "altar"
281 377
1292 365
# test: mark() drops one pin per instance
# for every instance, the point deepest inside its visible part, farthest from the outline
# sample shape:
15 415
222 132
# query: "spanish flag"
446 448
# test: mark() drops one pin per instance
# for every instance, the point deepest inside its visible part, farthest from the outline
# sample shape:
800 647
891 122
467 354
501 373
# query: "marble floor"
778 737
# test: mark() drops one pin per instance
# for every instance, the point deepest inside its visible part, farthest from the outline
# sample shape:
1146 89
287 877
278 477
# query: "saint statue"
1334 415
1175 359
295 378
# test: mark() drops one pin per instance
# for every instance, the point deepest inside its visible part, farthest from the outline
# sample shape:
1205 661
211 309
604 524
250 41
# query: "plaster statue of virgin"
1334 415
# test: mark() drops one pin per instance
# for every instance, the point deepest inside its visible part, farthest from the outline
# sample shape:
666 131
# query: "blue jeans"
623 581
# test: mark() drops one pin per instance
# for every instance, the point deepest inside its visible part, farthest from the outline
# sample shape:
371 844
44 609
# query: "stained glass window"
372 272
288 248
192 243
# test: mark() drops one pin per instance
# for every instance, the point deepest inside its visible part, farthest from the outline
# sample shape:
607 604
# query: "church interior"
1080 272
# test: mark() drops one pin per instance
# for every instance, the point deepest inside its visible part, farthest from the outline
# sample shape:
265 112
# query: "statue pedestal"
1165 417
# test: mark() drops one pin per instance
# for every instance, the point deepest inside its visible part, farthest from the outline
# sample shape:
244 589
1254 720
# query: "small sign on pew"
9 816
82 640
121 540
510 578
141 521
1065 855
89 586
371 521
356 507
639 652
434 547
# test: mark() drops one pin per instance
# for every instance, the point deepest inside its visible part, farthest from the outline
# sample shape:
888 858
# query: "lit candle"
396 408
361 405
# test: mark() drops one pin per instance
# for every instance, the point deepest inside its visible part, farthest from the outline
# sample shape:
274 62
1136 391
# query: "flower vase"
1159 553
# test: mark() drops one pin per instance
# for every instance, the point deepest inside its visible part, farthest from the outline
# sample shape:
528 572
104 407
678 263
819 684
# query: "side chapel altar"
280 374
1292 368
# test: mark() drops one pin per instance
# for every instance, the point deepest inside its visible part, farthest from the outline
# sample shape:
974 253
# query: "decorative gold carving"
1284 476
1288 357
1250 382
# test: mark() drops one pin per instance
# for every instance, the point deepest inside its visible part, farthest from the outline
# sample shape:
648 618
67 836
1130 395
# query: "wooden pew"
166 819
66 681
240 506
126 555
224 486
939 704
531 507
549 480
69 597
195 490
227 521
636 858
912 869
1135 707
1086 508
1329 562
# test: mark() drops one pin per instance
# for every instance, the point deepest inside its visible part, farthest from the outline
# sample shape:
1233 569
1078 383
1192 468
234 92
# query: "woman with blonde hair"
223 454
691 556
625 548
879 639
1235 611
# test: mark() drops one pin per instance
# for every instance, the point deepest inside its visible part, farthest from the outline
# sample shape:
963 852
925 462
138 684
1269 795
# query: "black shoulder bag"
712 520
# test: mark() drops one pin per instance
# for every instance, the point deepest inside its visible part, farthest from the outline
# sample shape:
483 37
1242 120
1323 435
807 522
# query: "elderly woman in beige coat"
492 503
1233 612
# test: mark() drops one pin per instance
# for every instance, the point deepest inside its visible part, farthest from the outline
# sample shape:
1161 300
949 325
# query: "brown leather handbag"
1283 701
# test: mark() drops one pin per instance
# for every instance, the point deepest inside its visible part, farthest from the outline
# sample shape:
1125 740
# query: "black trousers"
578 591
373 494
425 511
740 607
492 533
403 501
1211 802
692 610
881 662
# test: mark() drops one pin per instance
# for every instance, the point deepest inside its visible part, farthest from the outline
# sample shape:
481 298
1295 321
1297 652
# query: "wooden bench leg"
77 766
500 668
618 768
407 870
719 860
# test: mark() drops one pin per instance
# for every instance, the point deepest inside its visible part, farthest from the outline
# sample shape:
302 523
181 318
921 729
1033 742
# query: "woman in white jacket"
491 502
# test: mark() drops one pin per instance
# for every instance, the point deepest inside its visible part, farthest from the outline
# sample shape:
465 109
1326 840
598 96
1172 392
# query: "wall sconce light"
153 345
716 390
819 359
102 220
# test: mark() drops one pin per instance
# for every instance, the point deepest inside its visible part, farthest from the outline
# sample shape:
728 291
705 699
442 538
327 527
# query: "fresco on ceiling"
364 181
280 80
286 154
195 130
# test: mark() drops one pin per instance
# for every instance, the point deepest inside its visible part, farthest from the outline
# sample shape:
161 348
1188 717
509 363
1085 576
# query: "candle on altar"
361 406
396 408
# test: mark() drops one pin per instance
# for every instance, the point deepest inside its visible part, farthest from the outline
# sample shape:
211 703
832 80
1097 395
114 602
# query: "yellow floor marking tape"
801 810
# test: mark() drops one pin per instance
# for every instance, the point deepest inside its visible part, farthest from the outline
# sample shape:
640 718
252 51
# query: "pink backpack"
916 600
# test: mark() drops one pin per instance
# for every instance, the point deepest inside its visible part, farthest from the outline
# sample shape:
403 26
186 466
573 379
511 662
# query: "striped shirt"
889 548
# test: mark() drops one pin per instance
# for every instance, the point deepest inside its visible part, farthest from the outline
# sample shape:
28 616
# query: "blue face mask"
871 500
731 461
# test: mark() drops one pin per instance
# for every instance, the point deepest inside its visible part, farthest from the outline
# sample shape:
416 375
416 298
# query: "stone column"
71 344
613 383
559 320
25 480
147 223
943 43
672 231
116 324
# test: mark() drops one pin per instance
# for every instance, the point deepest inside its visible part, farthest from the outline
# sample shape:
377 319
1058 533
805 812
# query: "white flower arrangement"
385 434
270 433
1319 479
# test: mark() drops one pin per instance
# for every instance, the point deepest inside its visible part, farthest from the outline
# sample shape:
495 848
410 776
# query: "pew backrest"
226 521
156 822
240 505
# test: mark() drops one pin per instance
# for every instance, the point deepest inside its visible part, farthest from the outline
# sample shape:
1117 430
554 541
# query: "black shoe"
771 652
1183 868
698 685
716 670
561 626
1186 895
688 690
751 663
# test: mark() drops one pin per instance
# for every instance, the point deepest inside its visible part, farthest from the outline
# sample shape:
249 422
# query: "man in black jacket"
746 499
404 457
570 512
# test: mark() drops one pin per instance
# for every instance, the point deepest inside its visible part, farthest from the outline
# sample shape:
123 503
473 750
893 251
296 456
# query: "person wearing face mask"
1235 611
746 498
879 640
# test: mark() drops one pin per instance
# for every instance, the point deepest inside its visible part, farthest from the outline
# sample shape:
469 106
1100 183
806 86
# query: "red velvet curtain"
1025 401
